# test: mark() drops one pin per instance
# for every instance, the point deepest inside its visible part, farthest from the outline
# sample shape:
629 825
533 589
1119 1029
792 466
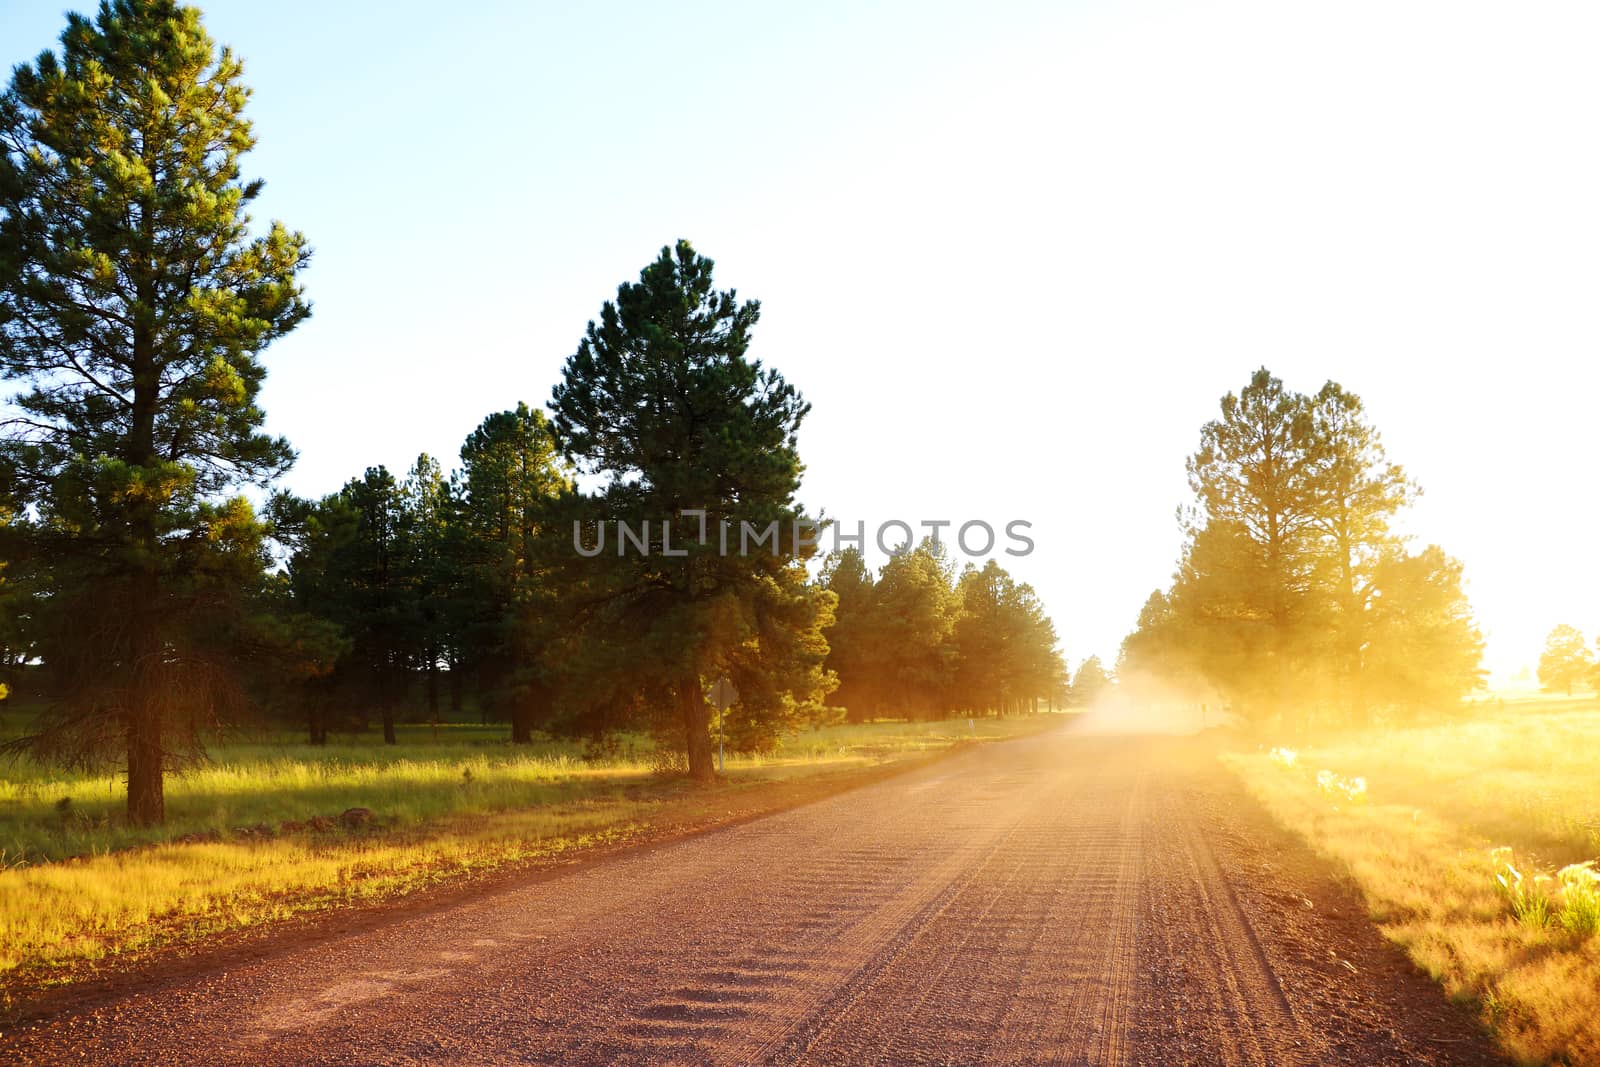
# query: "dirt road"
1064 899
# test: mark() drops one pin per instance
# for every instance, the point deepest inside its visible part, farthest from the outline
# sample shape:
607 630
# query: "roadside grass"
78 885
1471 842
47 814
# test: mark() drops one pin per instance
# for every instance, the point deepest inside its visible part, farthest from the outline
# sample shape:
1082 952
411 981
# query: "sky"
1012 253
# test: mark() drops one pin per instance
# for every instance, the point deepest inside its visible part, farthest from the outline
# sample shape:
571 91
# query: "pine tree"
981 639
1566 660
433 572
915 614
1156 650
1090 682
1251 473
512 475
1424 649
1355 494
1293 584
352 568
135 301
1040 669
662 402
918 642
853 644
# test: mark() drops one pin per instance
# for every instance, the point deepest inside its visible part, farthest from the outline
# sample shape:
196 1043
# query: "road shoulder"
1360 996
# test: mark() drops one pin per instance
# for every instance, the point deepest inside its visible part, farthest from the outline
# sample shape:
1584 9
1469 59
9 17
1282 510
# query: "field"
256 834
1463 839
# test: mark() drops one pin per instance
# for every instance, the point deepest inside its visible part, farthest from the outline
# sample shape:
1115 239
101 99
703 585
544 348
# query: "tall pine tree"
1251 476
1356 493
135 301
661 401
511 475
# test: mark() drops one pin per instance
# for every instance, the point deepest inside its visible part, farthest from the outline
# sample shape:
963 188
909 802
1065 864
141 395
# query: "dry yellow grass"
1420 846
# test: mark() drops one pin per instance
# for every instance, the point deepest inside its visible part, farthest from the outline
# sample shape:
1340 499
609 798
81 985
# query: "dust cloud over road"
1069 898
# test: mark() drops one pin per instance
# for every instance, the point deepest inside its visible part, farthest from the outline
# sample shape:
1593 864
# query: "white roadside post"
723 694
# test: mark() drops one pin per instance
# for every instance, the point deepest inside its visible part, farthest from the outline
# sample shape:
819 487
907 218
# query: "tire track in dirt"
863 1020
1241 1014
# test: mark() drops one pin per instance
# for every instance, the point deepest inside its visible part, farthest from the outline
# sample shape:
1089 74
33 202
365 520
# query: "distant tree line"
1295 599
432 583
146 604
918 639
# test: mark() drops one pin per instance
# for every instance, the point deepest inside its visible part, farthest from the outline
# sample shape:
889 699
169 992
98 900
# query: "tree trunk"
455 688
146 792
697 729
433 685
1360 714
531 711
522 720
316 724
388 695
147 804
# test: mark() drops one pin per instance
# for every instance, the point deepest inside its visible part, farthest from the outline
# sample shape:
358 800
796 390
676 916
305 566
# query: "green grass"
81 885
1470 845
47 814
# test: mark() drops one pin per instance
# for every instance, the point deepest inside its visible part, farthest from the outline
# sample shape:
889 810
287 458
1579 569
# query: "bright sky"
1013 253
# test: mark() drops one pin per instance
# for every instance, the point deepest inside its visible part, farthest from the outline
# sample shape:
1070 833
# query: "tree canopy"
1090 682
690 438
1566 661
1294 597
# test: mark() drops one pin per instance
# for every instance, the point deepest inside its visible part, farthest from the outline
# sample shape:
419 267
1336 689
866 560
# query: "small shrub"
1580 898
1528 900
1351 790
1532 909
